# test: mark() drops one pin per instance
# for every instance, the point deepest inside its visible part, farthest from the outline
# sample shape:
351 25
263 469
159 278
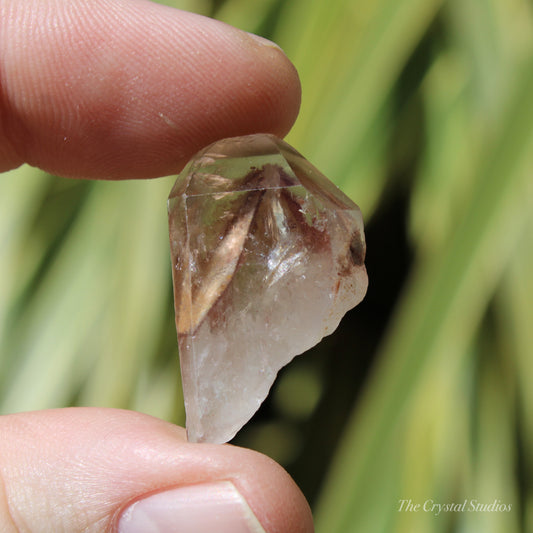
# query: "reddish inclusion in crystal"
268 256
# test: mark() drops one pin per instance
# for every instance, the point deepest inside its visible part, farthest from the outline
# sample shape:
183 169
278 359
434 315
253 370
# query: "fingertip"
84 469
116 89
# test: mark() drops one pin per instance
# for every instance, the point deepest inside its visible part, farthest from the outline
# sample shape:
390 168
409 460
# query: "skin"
129 89
112 89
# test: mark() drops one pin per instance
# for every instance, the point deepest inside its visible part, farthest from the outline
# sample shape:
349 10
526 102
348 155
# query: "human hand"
121 89
131 89
106 470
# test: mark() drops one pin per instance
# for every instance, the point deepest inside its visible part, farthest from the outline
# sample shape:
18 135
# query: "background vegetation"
422 111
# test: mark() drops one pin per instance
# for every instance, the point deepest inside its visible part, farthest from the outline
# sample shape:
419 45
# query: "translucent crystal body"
267 257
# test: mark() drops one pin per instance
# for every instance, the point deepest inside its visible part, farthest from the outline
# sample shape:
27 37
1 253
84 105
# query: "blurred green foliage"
422 111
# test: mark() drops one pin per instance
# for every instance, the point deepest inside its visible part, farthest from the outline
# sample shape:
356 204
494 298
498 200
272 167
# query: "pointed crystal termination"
267 256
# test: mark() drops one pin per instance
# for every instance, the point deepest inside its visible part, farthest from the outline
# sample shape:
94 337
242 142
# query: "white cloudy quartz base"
268 256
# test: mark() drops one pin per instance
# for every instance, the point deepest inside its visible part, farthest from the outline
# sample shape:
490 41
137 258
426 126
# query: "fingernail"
203 508
264 42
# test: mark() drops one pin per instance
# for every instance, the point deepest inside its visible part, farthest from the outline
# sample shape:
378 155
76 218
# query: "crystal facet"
267 256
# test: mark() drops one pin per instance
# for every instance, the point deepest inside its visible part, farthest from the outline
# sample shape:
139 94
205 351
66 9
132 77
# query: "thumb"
105 470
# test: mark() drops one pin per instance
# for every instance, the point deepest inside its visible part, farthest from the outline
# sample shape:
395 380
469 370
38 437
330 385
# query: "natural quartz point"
267 257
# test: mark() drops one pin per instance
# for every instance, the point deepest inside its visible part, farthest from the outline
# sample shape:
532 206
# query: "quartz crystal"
267 257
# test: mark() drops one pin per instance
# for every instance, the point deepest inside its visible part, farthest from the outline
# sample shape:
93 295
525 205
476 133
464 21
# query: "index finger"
130 89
